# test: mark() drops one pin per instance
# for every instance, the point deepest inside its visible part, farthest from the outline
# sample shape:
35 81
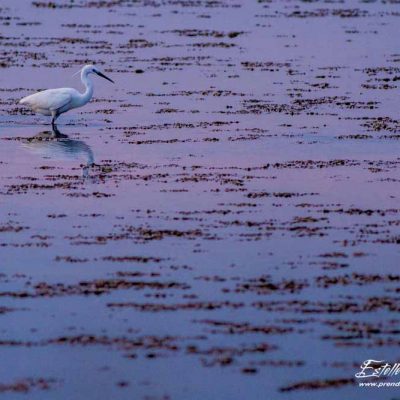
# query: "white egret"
55 102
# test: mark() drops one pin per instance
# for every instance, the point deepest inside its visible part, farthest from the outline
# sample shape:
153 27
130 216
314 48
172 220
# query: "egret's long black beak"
103 76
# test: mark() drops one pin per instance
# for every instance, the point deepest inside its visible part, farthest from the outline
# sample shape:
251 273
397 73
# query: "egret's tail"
26 100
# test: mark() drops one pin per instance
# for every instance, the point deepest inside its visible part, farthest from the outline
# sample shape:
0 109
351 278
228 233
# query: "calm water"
238 234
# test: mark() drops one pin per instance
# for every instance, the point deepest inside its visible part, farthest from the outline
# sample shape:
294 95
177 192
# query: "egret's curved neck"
87 95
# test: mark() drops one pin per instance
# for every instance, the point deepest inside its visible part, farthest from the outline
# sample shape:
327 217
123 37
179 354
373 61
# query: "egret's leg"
53 123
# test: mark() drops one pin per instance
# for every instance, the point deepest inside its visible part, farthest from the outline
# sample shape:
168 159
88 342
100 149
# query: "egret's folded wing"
51 99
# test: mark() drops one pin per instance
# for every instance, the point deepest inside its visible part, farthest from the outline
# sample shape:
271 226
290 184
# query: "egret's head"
91 69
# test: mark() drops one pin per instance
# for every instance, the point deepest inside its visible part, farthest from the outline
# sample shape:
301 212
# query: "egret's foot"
56 132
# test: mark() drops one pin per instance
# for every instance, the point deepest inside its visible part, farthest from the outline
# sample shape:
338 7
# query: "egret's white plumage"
55 102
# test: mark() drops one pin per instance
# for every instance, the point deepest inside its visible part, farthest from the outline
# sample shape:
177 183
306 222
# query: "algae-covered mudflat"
223 222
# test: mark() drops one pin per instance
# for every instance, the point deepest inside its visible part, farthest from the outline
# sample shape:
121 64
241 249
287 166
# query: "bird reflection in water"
57 146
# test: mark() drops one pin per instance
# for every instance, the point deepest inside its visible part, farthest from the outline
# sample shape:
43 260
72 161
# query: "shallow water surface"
223 222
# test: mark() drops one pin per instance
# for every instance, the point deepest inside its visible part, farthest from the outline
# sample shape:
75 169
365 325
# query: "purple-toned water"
238 234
